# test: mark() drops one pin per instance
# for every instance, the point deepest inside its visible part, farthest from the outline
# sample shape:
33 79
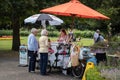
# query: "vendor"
63 36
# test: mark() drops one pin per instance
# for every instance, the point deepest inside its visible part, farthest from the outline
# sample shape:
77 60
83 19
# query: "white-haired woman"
43 50
32 49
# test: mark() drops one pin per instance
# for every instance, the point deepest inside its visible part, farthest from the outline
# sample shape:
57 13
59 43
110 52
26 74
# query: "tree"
112 9
15 10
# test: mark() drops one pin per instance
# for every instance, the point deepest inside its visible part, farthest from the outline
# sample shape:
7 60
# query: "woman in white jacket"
43 50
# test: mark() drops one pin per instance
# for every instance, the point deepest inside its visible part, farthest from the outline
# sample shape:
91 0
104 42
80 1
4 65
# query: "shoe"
32 71
45 74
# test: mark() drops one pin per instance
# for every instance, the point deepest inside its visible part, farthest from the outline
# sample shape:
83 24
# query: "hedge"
5 32
85 34
78 33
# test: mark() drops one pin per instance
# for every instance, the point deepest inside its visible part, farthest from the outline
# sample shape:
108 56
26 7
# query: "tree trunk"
16 35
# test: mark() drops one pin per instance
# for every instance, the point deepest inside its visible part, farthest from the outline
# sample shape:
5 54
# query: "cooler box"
23 55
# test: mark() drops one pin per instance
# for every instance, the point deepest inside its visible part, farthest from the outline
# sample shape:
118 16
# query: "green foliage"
102 44
53 34
13 13
23 9
85 34
111 70
24 33
10 32
20 8
112 9
114 45
93 74
116 38
5 32
114 48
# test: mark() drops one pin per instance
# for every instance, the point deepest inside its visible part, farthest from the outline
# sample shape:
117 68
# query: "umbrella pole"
73 17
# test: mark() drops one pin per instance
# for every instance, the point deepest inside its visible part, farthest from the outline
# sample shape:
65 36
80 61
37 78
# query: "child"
74 55
50 49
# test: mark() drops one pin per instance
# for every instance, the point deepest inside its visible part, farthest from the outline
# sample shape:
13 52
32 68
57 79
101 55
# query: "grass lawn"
7 44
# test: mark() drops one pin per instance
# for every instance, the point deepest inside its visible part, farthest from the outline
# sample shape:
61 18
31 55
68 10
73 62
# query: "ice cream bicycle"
68 57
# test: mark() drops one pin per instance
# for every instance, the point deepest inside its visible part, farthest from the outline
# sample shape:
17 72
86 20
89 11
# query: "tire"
49 68
78 71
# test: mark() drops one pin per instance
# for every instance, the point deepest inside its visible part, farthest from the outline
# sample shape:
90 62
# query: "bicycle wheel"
78 71
49 68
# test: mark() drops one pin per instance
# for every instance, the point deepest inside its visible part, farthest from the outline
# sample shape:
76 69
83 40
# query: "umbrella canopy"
74 8
53 20
43 17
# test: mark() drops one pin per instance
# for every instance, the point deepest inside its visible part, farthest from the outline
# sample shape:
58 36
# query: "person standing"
71 36
96 36
63 36
100 51
43 50
101 38
32 49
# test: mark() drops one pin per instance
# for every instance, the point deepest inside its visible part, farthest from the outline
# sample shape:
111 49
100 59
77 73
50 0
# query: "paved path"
9 70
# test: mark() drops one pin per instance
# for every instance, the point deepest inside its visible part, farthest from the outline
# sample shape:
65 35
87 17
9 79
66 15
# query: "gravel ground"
9 70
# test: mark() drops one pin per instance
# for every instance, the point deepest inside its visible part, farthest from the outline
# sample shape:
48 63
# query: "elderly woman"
63 36
43 50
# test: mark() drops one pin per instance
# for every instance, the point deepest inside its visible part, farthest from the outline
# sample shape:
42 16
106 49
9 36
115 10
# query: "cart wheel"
49 68
78 71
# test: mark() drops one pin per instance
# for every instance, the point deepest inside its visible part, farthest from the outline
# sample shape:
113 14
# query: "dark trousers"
101 57
43 63
32 60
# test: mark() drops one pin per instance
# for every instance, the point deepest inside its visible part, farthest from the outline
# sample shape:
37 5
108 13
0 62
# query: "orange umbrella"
74 8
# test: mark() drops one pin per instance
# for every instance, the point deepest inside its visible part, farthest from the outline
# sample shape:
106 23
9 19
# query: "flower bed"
111 74
6 38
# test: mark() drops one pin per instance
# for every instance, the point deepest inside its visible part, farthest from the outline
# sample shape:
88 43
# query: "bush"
85 34
115 38
93 74
24 33
52 33
5 32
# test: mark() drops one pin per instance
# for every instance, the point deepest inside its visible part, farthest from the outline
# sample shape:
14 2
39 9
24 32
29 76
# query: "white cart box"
23 56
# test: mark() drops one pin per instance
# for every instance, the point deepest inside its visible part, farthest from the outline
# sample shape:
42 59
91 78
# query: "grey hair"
43 32
98 30
33 30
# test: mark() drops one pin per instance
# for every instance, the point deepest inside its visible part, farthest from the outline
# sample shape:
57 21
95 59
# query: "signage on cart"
23 58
